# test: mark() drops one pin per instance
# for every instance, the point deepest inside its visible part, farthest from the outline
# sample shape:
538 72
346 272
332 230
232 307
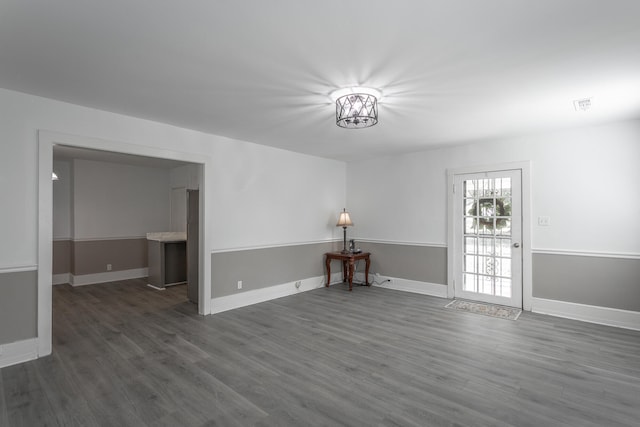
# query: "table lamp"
344 221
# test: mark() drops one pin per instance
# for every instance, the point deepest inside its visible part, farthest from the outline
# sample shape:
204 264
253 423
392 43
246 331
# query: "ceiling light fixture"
356 107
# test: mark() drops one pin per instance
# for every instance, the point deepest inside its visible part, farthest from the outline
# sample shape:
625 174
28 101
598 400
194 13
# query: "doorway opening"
113 150
110 210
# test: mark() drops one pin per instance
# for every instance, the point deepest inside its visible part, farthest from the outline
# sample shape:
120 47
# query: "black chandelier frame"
356 111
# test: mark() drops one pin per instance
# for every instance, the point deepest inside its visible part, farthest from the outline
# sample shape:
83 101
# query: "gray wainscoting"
62 256
599 281
18 306
411 262
261 268
92 256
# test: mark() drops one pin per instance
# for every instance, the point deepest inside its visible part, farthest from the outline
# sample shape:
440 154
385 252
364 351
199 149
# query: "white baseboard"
243 299
18 352
588 313
109 276
61 279
406 285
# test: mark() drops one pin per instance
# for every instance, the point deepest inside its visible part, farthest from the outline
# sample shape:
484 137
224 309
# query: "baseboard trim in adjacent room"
18 352
588 313
243 299
406 285
110 276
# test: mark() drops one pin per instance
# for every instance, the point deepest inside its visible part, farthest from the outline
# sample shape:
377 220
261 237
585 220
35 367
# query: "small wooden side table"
348 265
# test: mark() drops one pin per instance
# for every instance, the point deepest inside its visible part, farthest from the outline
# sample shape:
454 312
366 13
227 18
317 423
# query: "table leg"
327 262
351 268
366 271
345 271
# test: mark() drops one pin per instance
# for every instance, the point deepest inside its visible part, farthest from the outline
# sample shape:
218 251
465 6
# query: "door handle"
516 245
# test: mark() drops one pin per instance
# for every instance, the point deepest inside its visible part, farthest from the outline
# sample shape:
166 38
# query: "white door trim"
525 169
46 141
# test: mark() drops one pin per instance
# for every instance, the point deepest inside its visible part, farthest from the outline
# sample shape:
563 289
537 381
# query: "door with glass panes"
488 237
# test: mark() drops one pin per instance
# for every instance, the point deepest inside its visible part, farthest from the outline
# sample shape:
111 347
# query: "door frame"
46 141
525 170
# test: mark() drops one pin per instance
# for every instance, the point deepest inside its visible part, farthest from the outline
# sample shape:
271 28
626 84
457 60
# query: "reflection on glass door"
488 234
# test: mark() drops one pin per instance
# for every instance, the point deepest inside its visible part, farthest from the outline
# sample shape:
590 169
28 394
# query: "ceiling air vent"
582 104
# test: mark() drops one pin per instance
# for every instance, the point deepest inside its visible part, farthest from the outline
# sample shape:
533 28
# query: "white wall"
97 200
186 176
113 200
585 179
266 196
261 195
62 227
182 178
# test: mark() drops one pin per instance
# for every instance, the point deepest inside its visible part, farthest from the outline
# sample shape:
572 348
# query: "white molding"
19 269
18 352
527 233
588 313
596 254
61 279
399 242
45 246
246 298
274 245
406 285
109 276
98 239
517 165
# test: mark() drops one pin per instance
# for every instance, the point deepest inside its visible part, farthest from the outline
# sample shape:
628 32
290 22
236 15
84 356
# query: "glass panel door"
487 234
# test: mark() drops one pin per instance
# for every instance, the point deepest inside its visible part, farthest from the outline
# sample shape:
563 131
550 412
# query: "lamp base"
344 241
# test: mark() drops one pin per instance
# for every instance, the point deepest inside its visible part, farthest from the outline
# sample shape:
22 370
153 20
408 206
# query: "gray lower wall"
600 281
18 306
61 256
92 256
261 268
420 263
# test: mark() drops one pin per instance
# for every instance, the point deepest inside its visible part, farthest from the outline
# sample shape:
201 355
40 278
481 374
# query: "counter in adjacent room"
167 252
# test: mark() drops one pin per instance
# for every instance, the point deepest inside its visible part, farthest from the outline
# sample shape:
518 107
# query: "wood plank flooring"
126 355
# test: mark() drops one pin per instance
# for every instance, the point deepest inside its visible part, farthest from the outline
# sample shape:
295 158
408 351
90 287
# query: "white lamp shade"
344 220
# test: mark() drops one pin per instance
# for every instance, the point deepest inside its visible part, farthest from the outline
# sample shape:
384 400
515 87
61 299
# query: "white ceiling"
451 71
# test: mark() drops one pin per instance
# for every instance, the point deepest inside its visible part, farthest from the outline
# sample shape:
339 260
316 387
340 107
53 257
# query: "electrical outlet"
239 284
109 267
544 221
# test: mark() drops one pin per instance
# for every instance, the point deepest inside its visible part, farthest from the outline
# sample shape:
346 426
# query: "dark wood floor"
126 355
